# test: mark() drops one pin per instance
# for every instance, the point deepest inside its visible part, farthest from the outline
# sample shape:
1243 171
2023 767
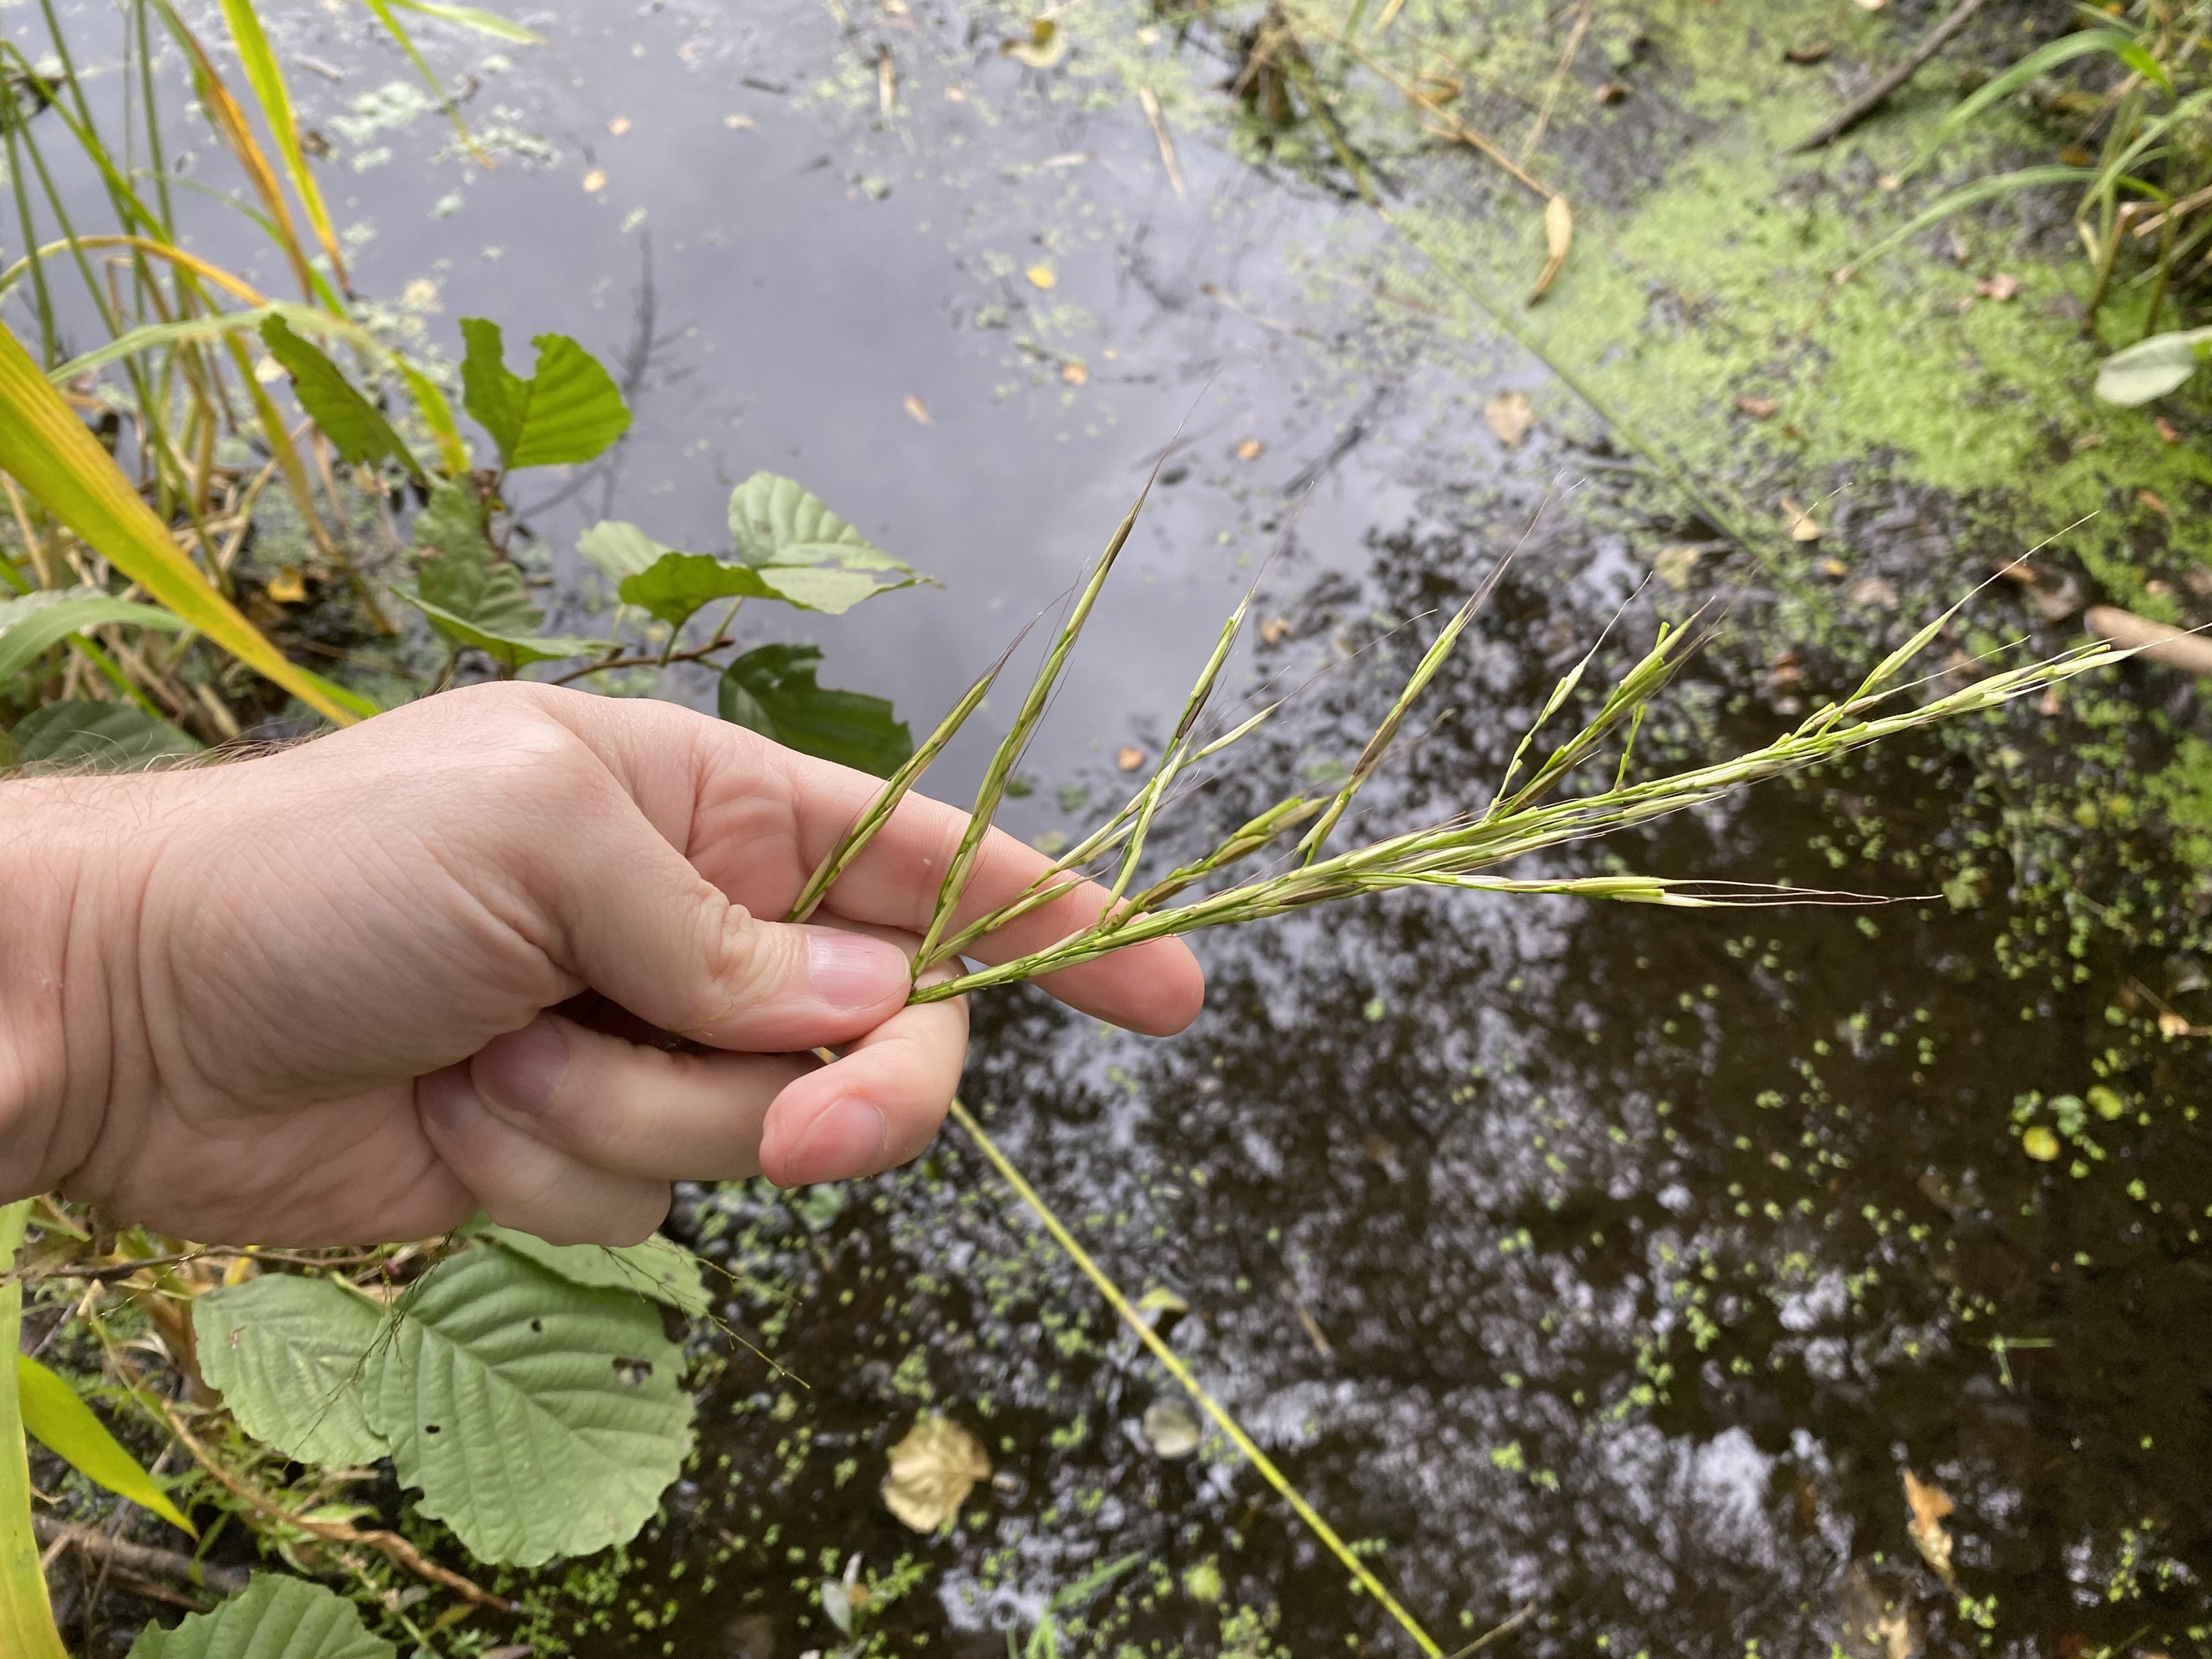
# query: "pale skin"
355 991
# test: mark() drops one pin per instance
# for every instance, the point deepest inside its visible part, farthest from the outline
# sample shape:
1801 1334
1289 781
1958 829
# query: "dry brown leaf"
1612 91
2171 1025
1250 450
1803 527
1128 760
2001 287
2154 501
1558 241
2166 428
1510 415
933 1471
1043 277
1275 629
1812 53
2160 642
1673 565
1929 1503
1759 408
288 585
595 179
1075 371
918 410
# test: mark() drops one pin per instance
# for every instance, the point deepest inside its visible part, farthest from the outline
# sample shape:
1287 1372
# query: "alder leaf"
620 549
771 690
676 585
778 520
659 1268
538 1417
274 1617
569 411
99 737
287 1355
470 595
352 423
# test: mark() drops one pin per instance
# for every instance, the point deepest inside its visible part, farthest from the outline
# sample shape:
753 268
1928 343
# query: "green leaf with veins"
659 1268
569 411
537 1417
470 595
677 584
287 1355
771 690
275 1617
98 736
778 520
620 549
355 425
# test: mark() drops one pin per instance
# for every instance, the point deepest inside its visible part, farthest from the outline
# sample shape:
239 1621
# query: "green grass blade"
393 27
267 80
2037 63
27 1618
1981 189
55 456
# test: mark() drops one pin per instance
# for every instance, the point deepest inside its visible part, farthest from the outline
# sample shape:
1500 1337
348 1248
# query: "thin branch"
1875 95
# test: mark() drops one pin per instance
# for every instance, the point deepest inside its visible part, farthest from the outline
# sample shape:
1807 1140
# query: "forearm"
67 852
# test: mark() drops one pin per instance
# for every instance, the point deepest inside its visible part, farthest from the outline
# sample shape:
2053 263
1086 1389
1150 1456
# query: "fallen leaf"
1075 371
1159 1299
1874 594
1673 565
1759 408
1510 415
2166 428
1170 1431
1803 527
1929 1503
1871 5
1128 760
737 123
1558 241
1891 182
619 125
2153 500
1250 450
1612 91
956 94
1275 629
918 410
288 585
2171 1025
1812 53
595 179
933 1471
1043 277
1836 567
1045 46
2001 287
2040 1144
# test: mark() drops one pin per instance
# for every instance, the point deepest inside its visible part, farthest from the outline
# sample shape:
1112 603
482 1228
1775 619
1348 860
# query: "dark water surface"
1613 1262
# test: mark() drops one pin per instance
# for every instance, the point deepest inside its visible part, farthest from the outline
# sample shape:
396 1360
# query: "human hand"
311 997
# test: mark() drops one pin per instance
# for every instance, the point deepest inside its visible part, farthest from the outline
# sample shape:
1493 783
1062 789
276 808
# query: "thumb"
644 928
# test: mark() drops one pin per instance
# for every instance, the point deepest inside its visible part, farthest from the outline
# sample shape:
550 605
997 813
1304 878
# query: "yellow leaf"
1929 1503
1558 241
64 1425
1042 277
288 585
1803 527
1075 372
1509 415
918 410
1250 450
1128 760
933 1471
619 125
55 456
595 179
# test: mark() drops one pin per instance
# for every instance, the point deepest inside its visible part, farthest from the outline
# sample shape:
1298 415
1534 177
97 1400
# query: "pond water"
1608 1262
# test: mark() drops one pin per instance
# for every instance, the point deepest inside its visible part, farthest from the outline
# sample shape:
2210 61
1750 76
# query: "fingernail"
449 1100
847 1140
851 971
520 1072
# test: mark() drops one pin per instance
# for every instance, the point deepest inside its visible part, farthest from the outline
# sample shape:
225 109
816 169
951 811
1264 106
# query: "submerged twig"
1875 95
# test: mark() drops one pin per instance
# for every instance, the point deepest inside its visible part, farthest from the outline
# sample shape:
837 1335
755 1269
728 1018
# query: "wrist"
68 853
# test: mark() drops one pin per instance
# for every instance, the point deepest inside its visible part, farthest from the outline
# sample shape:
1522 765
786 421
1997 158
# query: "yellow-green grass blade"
267 80
26 1619
475 17
55 456
406 43
57 1420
